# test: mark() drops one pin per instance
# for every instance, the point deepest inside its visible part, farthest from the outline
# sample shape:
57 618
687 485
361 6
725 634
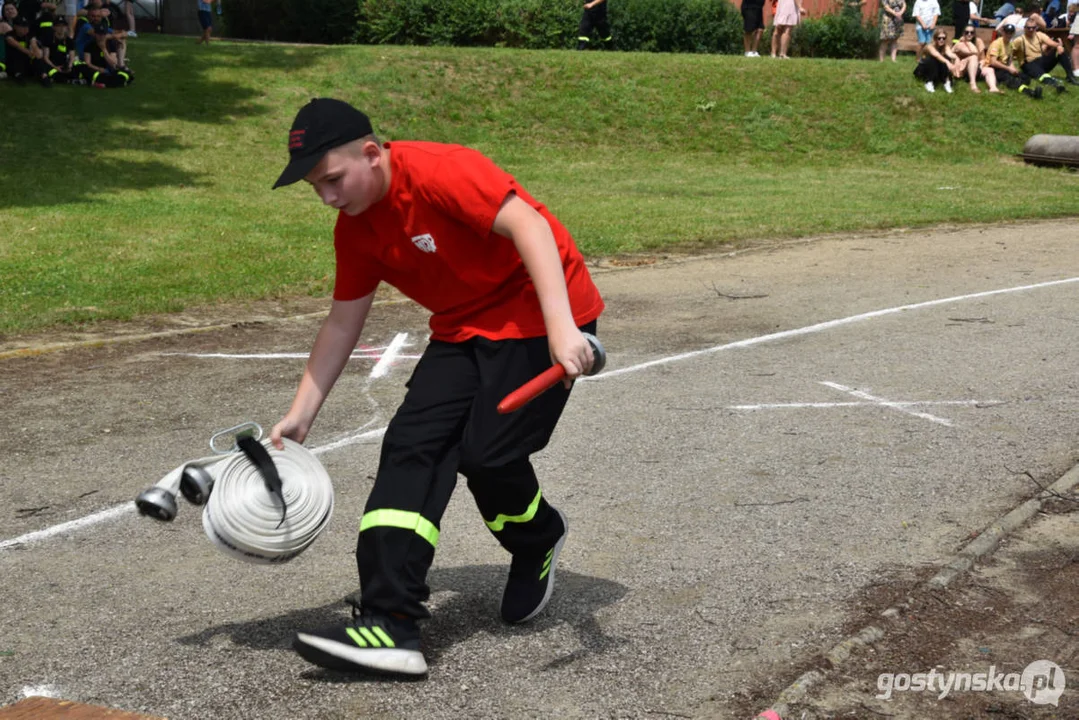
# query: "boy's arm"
532 236
12 42
334 344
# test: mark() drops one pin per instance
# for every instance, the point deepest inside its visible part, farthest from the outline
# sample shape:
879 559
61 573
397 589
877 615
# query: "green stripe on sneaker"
386 639
547 564
356 637
370 636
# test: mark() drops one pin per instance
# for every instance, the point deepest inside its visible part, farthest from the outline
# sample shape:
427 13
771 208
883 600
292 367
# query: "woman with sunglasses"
972 62
939 64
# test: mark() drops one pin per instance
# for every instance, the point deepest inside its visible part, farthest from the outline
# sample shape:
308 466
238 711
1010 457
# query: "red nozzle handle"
528 392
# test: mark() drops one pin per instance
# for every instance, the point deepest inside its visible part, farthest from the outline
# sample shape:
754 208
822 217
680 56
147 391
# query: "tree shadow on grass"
471 608
56 143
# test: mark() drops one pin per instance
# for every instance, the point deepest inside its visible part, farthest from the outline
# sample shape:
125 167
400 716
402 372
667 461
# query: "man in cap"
999 58
509 294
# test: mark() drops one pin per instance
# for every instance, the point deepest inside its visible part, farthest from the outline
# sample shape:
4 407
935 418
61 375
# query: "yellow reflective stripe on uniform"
401 519
499 522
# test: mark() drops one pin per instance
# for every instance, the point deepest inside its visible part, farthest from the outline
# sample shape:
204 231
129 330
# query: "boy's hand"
292 427
572 351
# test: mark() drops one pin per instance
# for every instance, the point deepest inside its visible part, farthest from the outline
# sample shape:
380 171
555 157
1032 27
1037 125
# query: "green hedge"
688 26
649 25
839 35
695 26
504 23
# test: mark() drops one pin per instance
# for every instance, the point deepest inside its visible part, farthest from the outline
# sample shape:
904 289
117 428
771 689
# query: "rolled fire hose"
246 515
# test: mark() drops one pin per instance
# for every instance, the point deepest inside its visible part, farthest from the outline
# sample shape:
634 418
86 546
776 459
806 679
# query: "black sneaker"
531 581
372 642
1071 80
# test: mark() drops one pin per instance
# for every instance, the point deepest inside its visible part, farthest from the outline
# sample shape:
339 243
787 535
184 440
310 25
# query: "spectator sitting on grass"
114 42
41 34
59 55
104 65
21 62
938 65
971 53
926 13
7 15
999 56
1037 54
84 28
10 12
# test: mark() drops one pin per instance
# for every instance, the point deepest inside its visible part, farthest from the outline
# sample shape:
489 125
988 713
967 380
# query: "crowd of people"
1021 54
44 45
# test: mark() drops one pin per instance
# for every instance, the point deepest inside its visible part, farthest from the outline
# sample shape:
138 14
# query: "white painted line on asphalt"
70 526
810 329
128 507
857 403
47 691
383 365
887 403
351 440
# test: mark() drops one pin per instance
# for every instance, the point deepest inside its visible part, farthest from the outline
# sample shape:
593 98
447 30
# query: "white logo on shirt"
425 242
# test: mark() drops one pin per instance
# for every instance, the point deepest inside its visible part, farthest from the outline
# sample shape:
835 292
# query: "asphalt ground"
773 435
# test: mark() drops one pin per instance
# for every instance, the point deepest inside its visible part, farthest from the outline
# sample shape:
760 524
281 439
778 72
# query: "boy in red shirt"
510 294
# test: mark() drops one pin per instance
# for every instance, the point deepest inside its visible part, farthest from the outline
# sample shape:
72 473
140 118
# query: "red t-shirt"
430 237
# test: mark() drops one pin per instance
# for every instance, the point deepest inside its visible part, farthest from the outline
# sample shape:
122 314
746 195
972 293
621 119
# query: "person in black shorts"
594 18
752 25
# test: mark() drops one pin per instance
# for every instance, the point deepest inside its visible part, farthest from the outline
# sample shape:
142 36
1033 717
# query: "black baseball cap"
321 125
20 21
1008 28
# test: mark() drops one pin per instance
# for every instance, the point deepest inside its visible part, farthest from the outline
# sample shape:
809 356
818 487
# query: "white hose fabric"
244 520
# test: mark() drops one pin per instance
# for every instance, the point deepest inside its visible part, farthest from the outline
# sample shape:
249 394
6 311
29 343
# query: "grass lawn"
156 197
